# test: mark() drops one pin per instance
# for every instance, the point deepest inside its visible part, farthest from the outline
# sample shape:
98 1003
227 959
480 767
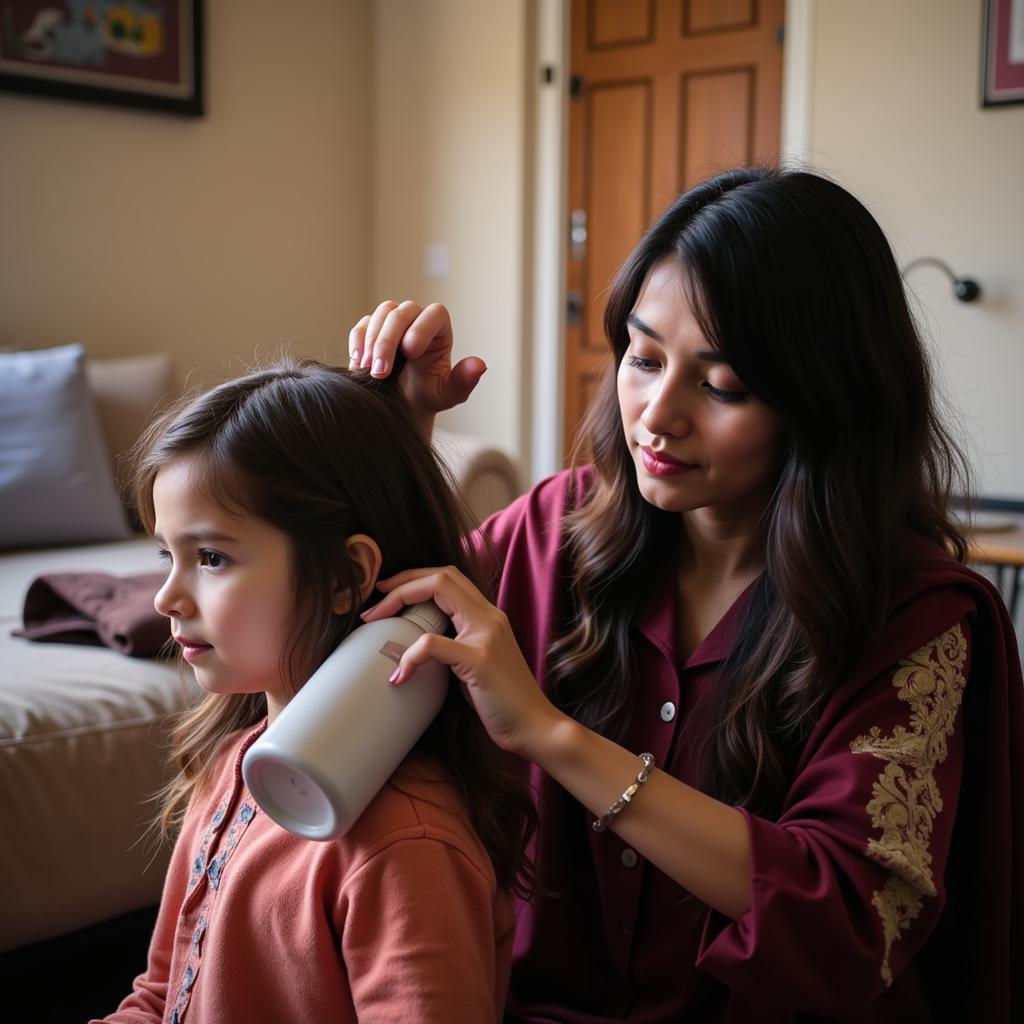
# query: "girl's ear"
366 559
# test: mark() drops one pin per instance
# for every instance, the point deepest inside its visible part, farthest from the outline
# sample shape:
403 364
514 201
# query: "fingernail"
379 366
393 678
355 357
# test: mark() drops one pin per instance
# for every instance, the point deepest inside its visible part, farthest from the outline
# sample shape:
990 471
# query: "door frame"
542 402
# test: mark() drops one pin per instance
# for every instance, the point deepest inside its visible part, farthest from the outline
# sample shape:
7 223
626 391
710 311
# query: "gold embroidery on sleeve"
906 799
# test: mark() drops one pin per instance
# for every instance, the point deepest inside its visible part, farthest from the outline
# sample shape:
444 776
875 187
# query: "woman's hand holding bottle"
423 334
484 655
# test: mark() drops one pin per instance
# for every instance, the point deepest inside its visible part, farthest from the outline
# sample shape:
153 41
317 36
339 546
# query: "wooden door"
664 93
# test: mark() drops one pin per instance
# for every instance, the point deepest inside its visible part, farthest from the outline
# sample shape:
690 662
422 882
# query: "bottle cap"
427 616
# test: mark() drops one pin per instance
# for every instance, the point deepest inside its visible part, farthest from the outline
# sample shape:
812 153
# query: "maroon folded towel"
94 608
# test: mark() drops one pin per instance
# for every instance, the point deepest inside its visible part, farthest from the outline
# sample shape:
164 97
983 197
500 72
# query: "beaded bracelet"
601 823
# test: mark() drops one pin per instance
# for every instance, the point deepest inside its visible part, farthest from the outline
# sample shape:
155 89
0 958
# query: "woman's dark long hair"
793 280
321 453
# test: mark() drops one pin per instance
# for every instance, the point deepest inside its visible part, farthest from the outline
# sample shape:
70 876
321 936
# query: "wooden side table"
1004 550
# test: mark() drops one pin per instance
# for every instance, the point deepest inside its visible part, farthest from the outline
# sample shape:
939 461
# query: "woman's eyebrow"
709 355
634 321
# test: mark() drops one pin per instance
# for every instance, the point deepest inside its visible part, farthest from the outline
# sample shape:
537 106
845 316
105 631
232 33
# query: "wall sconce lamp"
966 289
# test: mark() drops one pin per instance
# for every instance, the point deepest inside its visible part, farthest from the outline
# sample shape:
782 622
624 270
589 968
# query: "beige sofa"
83 734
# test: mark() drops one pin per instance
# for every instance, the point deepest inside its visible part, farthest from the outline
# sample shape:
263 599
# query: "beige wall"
896 118
213 237
449 110
339 146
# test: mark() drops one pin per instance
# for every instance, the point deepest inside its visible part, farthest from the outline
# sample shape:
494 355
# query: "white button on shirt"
629 858
668 711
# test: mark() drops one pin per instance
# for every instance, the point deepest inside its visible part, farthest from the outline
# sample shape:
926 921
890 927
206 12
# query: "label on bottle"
393 651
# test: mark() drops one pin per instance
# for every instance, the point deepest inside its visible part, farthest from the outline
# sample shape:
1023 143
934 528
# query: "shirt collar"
658 625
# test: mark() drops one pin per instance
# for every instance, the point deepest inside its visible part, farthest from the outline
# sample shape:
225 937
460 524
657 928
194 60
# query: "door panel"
666 93
717 129
614 23
717 15
619 180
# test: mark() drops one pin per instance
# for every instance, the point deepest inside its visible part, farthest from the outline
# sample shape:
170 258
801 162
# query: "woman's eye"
164 556
211 559
641 364
721 395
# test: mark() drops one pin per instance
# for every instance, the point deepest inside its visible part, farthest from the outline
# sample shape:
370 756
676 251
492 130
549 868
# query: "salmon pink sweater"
399 920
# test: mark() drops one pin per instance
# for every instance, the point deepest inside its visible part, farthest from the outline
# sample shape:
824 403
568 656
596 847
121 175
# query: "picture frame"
1002 52
142 53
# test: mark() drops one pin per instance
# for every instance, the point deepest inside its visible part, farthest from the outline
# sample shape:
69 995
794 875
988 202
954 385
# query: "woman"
757 582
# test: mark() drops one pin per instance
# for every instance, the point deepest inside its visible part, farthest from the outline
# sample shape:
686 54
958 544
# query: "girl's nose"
172 599
665 413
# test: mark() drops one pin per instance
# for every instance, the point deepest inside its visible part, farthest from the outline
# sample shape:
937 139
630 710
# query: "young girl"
778 736
276 514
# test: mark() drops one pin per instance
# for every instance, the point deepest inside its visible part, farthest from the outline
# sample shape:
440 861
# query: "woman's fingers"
428 647
377 318
424 336
484 655
391 335
390 582
357 341
491 671
431 331
418 330
447 588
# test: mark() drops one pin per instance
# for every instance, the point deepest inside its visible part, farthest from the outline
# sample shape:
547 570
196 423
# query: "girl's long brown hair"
794 281
321 453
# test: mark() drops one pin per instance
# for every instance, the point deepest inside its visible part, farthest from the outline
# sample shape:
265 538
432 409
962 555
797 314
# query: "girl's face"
698 438
229 594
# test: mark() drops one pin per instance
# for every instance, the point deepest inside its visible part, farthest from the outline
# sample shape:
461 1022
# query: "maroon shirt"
869 881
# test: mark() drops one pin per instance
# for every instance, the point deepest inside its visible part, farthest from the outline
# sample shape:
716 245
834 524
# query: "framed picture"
137 53
1002 52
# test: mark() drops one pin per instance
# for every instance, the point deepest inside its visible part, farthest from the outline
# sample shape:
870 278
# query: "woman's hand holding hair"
484 655
423 334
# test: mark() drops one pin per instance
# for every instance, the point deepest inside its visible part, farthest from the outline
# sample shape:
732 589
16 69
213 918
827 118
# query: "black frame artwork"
144 54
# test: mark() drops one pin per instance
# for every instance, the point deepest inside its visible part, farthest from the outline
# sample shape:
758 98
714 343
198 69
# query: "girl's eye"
164 556
721 395
641 364
211 559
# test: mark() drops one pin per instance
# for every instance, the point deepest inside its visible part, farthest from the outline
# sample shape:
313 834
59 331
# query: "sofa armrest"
488 478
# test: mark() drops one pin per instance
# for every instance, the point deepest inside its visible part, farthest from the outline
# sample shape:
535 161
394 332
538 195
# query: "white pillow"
56 485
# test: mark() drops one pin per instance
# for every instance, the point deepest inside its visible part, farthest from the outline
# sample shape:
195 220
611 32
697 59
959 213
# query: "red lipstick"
660 464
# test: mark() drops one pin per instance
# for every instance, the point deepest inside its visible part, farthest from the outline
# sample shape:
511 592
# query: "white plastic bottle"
340 738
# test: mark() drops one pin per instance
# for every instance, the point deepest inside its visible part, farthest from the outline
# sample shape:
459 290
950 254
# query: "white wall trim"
543 403
797 83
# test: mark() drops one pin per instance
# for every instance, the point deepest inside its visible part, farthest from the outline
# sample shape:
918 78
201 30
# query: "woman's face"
698 438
